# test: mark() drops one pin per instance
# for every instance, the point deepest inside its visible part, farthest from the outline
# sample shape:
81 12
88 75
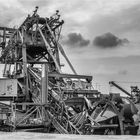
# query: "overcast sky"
100 37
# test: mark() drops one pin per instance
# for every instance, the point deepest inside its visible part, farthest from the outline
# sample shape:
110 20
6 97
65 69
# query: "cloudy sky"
100 37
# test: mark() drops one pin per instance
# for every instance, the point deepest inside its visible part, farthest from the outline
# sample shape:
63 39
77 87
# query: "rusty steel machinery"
35 93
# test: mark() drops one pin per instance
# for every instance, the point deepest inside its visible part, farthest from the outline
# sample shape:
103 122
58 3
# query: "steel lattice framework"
46 97
31 55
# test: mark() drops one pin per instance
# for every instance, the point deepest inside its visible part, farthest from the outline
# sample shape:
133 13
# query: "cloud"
130 19
123 72
8 14
75 39
108 40
32 3
124 22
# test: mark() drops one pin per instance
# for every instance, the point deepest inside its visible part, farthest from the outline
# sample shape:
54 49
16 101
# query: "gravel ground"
44 136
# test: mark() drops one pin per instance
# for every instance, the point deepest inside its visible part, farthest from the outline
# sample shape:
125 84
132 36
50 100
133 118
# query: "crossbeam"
61 75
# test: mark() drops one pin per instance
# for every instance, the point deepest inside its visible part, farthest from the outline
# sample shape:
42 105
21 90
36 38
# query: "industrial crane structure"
135 92
112 83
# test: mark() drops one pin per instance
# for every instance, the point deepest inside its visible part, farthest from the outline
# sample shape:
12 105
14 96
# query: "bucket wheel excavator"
34 85
34 92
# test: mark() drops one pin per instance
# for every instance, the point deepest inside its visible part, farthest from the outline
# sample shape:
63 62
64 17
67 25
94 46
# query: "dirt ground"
44 136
